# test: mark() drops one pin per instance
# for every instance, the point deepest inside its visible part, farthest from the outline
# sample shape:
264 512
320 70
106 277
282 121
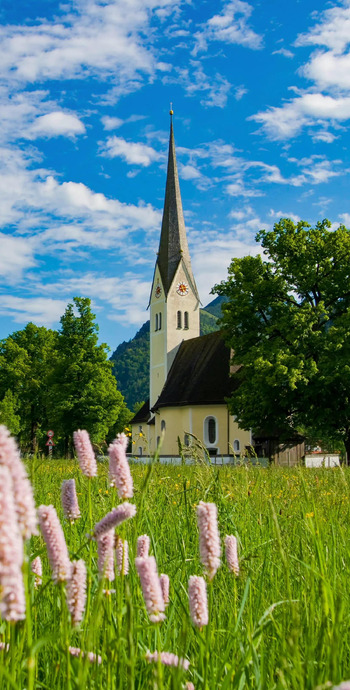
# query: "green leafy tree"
8 413
25 367
83 390
287 320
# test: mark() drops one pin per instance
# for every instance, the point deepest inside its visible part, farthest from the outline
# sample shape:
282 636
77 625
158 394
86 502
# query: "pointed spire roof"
173 245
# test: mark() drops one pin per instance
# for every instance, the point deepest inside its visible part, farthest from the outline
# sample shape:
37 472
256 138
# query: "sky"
261 100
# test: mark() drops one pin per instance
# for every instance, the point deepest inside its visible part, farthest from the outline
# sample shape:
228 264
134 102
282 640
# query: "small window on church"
156 324
140 450
162 425
210 430
160 322
236 445
186 321
158 441
179 319
187 440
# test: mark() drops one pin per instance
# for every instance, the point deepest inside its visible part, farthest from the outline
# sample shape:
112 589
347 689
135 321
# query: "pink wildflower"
114 518
345 685
197 592
85 453
122 554
231 553
22 488
209 539
189 686
105 550
164 585
152 593
76 591
55 543
143 544
119 470
4 647
168 659
37 569
12 597
92 657
70 500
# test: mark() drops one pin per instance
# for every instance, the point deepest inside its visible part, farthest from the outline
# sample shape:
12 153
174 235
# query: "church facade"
189 374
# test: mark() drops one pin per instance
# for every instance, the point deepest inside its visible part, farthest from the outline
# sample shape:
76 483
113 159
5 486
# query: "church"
189 378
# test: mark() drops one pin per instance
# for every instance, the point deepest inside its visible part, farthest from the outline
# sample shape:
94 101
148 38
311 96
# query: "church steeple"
174 301
173 245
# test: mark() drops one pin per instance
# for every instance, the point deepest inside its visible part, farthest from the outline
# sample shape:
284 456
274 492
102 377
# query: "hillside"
131 358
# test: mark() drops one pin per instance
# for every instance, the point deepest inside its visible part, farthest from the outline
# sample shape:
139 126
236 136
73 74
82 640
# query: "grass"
283 623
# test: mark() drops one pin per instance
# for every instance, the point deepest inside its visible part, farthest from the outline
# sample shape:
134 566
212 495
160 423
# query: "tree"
25 366
287 320
8 416
83 390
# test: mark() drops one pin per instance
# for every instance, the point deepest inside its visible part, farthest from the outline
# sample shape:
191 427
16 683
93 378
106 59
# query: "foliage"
59 380
8 415
288 321
25 366
131 359
283 623
83 391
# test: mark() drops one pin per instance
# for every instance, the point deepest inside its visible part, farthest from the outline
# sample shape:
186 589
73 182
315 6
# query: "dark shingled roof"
142 415
200 373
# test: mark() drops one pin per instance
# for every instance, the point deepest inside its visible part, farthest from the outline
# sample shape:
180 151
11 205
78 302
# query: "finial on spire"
171 112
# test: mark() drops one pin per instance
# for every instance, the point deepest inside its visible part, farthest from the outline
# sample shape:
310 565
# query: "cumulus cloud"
98 38
134 153
230 26
16 256
42 311
56 124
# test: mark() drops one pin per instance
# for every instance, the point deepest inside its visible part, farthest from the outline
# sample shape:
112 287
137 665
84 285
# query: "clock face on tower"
158 291
182 289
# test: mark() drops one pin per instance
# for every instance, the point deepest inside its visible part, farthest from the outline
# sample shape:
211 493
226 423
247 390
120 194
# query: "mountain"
131 358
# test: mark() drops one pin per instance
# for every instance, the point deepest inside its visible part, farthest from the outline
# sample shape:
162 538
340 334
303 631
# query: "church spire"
173 245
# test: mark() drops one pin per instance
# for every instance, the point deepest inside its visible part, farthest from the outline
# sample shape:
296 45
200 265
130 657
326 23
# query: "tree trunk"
347 448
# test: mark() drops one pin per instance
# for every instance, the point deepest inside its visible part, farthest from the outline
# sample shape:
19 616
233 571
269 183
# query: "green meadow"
284 622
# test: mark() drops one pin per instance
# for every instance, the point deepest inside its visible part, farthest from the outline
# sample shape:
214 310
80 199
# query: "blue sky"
261 95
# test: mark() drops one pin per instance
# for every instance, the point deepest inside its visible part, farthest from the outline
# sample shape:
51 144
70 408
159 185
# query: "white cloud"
329 70
16 256
125 299
283 51
325 136
98 38
134 153
56 124
287 121
333 31
281 214
42 311
213 89
111 122
345 219
230 26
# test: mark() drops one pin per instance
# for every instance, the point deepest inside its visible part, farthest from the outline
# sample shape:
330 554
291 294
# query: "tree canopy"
287 320
60 380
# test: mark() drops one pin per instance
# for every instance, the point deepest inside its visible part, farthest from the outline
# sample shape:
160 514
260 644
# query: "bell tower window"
156 323
186 320
160 321
179 319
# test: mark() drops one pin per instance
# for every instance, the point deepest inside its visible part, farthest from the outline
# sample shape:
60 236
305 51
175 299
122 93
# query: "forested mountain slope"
131 359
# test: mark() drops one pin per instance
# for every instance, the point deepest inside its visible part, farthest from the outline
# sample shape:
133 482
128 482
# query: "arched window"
140 450
156 325
187 440
236 445
162 425
186 320
158 441
179 319
210 430
160 321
